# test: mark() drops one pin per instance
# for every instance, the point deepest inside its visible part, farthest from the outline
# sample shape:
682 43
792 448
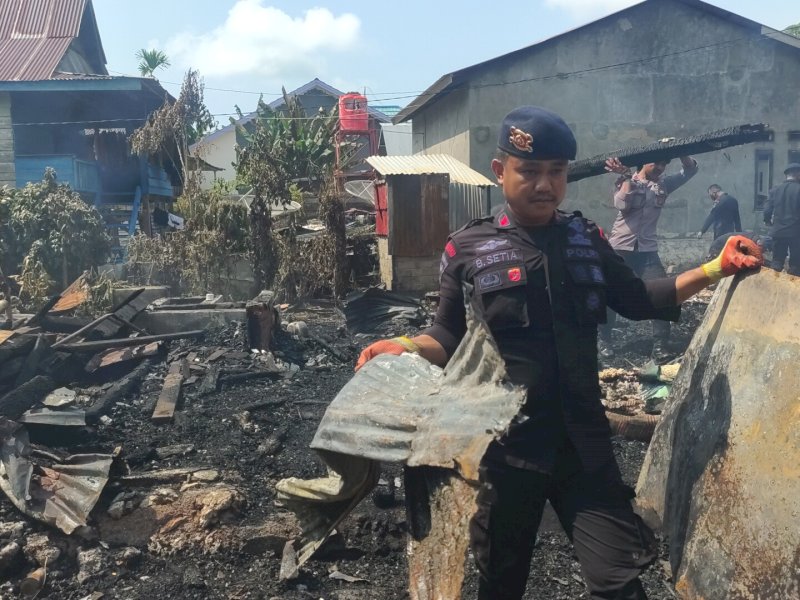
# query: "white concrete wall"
219 152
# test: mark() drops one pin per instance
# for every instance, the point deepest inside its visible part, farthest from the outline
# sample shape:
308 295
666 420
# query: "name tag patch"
496 258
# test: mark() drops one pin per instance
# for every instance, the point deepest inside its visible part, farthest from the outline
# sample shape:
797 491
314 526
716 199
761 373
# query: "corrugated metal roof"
35 35
428 164
80 76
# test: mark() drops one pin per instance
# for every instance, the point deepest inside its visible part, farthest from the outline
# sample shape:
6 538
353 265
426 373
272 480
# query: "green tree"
150 60
278 150
793 30
48 228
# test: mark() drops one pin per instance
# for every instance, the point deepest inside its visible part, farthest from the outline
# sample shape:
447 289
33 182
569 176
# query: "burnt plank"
170 393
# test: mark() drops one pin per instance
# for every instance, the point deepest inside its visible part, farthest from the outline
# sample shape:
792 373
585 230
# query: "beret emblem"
521 140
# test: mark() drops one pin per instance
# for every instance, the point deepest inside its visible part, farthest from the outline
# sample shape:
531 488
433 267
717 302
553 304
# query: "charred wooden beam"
126 342
672 148
20 399
170 393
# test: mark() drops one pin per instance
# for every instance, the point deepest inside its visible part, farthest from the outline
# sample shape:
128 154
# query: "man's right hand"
394 346
614 165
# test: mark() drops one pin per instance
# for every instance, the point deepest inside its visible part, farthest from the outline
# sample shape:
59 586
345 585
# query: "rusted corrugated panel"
428 164
76 294
66 18
31 59
467 202
63 495
45 59
402 409
722 472
35 35
14 56
33 18
40 18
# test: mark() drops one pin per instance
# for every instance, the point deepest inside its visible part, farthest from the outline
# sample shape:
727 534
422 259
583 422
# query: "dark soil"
251 453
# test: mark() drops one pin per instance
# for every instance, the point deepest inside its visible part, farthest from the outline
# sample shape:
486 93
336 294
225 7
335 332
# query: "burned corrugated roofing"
429 164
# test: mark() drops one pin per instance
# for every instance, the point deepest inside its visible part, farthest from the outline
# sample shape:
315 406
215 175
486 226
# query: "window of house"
763 178
794 147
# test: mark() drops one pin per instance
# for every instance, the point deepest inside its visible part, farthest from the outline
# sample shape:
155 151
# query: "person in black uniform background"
724 216
782 214
542 279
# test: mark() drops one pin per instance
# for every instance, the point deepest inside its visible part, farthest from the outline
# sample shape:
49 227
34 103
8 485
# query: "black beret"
534 133
791 167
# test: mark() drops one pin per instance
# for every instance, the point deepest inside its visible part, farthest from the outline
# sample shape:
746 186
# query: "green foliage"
48 231
197 259
150 60
793 30
303 145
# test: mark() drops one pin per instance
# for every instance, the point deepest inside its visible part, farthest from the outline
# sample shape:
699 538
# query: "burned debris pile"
120 446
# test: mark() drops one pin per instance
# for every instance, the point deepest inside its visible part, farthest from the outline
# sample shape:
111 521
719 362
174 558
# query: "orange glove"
395 346
739 253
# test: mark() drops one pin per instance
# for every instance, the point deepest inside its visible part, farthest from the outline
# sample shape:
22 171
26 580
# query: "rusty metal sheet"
61 495
402 409
118 355
721 475
76 294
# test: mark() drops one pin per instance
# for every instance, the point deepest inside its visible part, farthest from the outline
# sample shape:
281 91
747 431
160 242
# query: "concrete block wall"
407 274
416 274
7 172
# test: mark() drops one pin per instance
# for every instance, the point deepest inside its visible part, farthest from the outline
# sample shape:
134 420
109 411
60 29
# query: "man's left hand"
739 253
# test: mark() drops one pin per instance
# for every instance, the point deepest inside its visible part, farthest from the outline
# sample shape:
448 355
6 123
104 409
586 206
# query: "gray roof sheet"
427 164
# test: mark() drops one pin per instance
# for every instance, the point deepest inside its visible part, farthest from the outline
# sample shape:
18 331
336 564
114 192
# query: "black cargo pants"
783 247
647 265
612 543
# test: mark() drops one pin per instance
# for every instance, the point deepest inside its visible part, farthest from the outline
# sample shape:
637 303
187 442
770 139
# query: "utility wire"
401 95
562 75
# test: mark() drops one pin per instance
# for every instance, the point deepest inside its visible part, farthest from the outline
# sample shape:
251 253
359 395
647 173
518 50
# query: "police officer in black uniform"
542 279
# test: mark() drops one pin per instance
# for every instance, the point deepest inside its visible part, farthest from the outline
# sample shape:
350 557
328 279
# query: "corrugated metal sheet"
467 202
402 409
35 35
40 18
80 76
428 164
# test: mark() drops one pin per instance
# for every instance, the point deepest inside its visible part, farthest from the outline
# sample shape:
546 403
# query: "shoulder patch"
472 223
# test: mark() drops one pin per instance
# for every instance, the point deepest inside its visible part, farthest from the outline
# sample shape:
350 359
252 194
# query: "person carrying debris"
724 215
640 196
782 213
542 279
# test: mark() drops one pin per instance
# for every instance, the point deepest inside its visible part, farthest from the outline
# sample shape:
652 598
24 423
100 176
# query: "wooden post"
261 319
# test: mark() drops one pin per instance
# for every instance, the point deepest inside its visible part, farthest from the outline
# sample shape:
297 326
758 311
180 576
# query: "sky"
390 50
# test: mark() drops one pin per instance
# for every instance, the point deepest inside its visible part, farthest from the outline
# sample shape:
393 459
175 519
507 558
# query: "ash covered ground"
218 533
